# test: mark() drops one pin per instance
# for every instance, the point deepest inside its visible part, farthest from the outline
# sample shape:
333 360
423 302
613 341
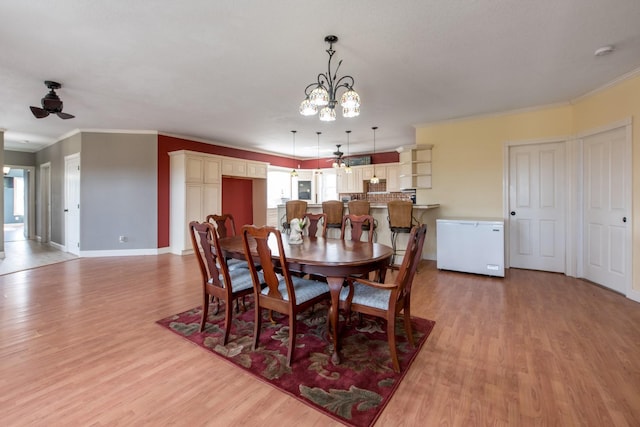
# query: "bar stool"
293 209
334 210
363 207
400 221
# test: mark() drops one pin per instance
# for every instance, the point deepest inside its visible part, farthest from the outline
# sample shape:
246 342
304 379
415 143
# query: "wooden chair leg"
227 324
391 336
407 325
257 326
205 311
293 328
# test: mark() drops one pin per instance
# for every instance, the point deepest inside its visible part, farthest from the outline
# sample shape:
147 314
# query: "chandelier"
321 95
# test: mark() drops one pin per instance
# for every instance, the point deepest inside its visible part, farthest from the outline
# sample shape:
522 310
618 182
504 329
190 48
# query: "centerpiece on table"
297 225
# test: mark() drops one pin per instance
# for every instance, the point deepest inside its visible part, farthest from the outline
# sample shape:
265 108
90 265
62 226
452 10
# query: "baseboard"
58 246
634 295
121 252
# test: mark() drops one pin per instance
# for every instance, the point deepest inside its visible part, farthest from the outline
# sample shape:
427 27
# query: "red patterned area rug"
354 392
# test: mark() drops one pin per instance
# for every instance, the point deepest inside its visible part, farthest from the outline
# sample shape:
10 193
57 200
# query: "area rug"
354 392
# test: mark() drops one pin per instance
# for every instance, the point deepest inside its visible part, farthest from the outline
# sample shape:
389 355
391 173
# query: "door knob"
513 213
624 219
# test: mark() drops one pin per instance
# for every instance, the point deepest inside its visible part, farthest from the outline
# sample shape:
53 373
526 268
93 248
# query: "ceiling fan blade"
64 115
39 112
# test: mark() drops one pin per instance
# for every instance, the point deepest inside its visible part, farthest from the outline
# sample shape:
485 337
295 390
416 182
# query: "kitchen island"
423 214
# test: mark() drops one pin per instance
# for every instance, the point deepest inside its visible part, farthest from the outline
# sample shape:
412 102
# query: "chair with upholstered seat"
363 207
218 282
226 227
357 223
283 292
316 221
334 210
400 216
388 300
293 209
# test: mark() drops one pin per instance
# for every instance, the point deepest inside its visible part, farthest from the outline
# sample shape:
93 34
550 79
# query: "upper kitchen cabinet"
415 166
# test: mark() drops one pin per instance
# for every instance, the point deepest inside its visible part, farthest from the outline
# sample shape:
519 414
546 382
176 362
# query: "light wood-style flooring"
79 346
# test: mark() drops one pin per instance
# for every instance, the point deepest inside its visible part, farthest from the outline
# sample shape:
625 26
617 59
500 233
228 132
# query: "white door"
607 208
72 203
537 206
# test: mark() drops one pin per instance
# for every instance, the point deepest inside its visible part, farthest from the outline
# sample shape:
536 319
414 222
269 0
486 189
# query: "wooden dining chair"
334 210
357 223
218 282
387 300
226 227
315 221
400 217
363 207
283 292
293 209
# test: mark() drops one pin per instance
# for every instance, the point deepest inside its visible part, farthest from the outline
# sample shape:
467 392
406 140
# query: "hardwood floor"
79 346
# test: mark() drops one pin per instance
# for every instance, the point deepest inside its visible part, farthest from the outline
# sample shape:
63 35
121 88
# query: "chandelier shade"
321 96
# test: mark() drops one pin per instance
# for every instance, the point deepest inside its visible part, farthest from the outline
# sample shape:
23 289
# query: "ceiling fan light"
307 108
335 164
328 114
350 99
319 97
343 165
350 111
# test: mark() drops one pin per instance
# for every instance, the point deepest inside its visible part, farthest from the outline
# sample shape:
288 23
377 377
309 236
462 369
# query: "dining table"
334 259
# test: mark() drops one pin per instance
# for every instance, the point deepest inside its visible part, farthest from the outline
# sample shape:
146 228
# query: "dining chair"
363 207
387 300
218 282
400 217
334 210
283 292
225 226
293 209
357 223
315 221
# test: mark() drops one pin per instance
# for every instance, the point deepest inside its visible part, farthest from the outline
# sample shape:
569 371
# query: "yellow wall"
468 154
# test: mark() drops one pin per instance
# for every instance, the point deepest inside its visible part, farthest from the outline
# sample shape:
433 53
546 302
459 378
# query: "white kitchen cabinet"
234 167
196 191
257 170
392 177
350 182
415 166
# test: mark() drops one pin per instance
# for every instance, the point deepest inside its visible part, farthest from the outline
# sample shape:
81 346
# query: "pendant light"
294 172
347 169
374 178
318 171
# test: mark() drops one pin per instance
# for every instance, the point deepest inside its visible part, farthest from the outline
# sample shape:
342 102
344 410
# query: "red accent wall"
166 144
237 196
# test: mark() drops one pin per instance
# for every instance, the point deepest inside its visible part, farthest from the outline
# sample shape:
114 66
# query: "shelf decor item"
297 227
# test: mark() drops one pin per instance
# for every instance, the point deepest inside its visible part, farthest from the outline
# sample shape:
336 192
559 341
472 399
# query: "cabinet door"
211 200
393 179
366 172
234 167
212 171
256 170
193 170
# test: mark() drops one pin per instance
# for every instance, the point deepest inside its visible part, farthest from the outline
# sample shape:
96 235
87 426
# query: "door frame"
45 203
506 174
627 124
67 223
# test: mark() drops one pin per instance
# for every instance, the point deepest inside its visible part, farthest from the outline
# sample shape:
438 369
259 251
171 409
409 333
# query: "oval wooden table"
335 259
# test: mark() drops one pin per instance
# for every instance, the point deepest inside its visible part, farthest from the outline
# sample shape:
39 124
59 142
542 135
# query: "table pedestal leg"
335 286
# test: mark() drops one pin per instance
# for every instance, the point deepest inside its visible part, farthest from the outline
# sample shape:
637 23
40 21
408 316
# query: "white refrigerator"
470 246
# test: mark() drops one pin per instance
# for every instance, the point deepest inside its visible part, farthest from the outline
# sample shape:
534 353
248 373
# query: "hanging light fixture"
347 169
374 178
321 95
294 172
318 171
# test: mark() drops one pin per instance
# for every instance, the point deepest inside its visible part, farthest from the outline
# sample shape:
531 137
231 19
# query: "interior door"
607 208
72 203
537 206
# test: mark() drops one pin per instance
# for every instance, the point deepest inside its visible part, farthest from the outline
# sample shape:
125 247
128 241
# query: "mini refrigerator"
470 246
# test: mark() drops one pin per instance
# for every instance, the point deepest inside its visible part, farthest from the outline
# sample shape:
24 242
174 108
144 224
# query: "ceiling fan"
51 103
338 161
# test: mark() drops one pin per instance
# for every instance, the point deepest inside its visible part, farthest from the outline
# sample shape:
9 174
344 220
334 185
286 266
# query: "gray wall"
19 158
118 191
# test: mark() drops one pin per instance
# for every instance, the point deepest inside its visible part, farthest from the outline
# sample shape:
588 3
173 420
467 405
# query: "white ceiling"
233 72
